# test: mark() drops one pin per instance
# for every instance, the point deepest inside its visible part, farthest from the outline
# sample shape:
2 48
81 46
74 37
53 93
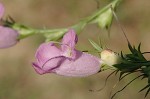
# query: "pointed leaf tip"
95 45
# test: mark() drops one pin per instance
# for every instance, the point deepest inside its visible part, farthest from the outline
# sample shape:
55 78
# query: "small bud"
105 19
8 37
109 57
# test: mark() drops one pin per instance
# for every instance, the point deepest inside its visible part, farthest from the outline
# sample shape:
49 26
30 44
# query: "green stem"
100 11
58 33
42 31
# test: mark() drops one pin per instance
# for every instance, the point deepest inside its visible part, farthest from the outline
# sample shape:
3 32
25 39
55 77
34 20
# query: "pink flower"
8 36
1 10
66 61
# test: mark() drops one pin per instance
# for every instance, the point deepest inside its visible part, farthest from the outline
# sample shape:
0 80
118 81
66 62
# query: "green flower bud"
105 19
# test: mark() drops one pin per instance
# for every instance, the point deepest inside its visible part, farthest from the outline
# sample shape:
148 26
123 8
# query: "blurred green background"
18 80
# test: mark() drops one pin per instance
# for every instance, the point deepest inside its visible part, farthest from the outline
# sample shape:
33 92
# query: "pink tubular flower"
8 36
66 61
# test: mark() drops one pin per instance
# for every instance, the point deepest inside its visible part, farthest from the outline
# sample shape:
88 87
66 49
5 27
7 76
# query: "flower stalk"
103 17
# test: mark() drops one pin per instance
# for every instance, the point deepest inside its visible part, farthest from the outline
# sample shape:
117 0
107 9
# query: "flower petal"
68 44
49 66
83 65
8 37
38 69
1 10
70 39
45 52
53 63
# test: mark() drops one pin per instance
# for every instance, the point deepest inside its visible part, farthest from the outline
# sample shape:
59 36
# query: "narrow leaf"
145 87
139 47
124 76
122 55
125 86
121 74
147 93
130 47
95 45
